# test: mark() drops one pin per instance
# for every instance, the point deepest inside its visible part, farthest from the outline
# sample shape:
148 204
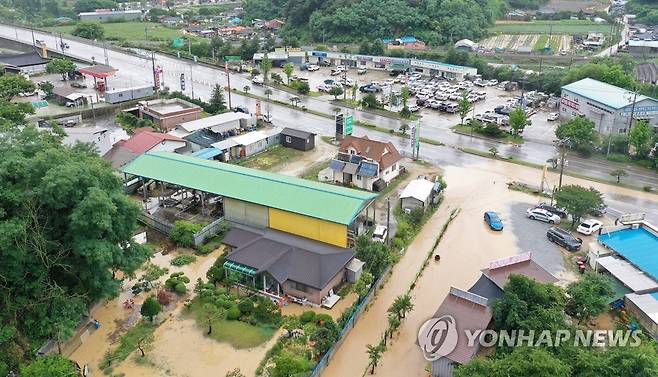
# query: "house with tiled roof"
144 140
365 163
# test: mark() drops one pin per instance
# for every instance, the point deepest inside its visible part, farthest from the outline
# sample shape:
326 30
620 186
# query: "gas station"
99 71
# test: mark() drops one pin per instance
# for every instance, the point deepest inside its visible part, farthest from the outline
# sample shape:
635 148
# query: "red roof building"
144 140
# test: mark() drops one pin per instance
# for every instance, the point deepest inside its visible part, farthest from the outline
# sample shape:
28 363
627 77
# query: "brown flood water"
466 248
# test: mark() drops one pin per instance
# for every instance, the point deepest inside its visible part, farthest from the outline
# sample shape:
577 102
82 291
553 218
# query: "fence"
208 231
160 225
319 368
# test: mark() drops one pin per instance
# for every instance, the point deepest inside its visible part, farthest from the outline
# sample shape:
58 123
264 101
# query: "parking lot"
490 97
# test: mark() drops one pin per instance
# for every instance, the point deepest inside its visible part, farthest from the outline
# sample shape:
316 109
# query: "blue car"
492 219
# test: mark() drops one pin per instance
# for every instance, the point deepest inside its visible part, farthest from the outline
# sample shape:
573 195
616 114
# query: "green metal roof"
604 93
332 203
241 268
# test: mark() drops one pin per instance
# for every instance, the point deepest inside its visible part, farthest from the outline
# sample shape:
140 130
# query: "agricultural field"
130 31
527 43
545 27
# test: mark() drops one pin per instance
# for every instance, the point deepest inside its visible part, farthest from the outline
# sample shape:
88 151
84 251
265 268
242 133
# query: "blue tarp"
638 246
207 153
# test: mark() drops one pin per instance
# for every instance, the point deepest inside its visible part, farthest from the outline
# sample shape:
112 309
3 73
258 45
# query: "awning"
240 268
207 153
99 71
633 278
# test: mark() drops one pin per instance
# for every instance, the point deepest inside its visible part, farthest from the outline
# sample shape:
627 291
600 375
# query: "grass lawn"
505 136
541 42
238 334
127 343
559 27
312 172
271 158
130 31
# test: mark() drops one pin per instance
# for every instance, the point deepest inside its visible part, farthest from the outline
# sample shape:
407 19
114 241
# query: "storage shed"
417 194
297 139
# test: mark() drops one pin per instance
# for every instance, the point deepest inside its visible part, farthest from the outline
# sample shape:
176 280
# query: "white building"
98 136
417 194
608 106
248 144
111 15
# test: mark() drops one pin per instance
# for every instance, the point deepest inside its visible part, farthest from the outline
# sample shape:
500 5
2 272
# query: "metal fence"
349 325
160 225
208 231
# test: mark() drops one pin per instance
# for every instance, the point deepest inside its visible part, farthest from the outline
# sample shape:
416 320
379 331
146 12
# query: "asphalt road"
136 70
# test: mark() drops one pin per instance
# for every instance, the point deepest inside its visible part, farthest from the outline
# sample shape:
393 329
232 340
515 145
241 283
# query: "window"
299 286
358 177
288 139
393 167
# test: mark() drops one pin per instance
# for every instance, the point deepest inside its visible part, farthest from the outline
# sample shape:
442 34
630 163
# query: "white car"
313 67
414 108
257 80
588 227
542 215
380 233
552 116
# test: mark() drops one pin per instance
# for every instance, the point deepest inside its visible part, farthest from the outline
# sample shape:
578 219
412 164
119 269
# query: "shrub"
182 259
246 306
233 313
150 308
183 233
303 88
647 188
164 297
176 283
153 272
307 316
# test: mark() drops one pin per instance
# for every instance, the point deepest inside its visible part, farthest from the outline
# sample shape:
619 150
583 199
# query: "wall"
390 173
443 367
168 146
644 320
315 295
411 203
309 227
246 213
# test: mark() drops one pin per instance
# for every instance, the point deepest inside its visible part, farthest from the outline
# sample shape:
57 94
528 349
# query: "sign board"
232 58
340 125
182 82
349 125
178 42
510 261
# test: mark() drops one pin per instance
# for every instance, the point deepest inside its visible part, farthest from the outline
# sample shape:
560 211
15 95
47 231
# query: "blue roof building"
609 107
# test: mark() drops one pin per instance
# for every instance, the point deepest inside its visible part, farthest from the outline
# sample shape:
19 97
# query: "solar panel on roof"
355 159
337 165
368 169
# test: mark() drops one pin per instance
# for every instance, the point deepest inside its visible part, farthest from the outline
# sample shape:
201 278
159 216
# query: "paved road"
136 70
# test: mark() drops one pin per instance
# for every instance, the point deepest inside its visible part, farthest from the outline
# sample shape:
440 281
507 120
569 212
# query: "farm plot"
526 43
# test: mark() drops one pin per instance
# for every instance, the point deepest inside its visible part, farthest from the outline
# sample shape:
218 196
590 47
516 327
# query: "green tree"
370 101
640 138
463 107
217 102
49 366
374 355
403 128
246 89
289 365
376 255
288 69
393 324
336 91
177 283
89 30
404 95
268 93
493 151
235 373
354 89
91 5
578 201
265 67
47 87
61 66
618 173
518 120
303 88
589 296
523 361
12 85
150 308
183 232
212 314
579 131
362 285
401 305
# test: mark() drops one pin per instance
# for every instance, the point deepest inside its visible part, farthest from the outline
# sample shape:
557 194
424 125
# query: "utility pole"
228 81
34 42
388 218
155 80
192 80
563 154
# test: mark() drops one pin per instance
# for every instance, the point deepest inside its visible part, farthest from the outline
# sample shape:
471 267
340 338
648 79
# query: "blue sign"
319 53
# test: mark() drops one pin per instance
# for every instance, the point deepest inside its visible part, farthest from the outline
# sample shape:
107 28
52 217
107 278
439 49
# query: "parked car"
413 108
257 80
80 85
552 117
241 109
589 226
493 220
542 215
553 209
361 71
336 72
27 94
325 63
452 108
370 88
313 67
564 238
380 233
598 212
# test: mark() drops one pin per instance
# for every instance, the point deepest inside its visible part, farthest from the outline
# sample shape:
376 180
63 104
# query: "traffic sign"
349 125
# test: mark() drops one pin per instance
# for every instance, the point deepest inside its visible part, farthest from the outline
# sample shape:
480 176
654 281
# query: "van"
451 108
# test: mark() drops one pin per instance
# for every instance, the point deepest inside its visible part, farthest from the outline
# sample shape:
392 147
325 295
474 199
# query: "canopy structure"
240 268
99 71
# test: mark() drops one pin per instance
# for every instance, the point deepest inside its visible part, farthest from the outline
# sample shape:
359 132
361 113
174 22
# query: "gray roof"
486 288
23 60
286 256
296 133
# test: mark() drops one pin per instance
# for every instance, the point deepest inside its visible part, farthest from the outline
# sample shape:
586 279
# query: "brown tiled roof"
372 149
469 315
527 268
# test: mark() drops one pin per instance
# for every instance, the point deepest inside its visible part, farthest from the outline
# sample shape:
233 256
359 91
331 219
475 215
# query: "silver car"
542 215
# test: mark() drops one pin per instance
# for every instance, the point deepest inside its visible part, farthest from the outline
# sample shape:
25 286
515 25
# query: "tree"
463 107
217 103
518 120
579 131
401 305
403 128
212 314
303 88
354 89
589 296
362 285
640 138
49 366
370 101
12 85
493 151
177 283
393 323
288 365
183 232
288 69
578 201
91 5
523 361
235 373
374 254
336 91
61 66
150 308
405 94
47 87
618 173
89 30
268 93
265 67
145 343
374 354
246 89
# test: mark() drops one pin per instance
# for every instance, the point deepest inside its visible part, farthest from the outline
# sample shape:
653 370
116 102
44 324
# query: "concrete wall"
411 203
246 213
309 227
644 320
168 146
315 295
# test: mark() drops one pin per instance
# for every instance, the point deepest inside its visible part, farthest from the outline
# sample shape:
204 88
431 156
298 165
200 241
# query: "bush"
183 233
303 88
307 317
233 313
164 297
150 308
246 306
176 283
183 259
